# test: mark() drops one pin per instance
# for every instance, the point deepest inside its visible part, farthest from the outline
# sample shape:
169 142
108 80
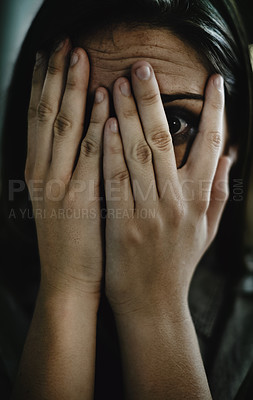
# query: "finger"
89 166
38 78
49 104
219 195
136 150
204 156
69 123
155 124
117 181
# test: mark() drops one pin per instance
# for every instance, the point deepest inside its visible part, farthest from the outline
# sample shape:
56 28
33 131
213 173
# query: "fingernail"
60 45
113 126
39 58
125 89
143 73
99 97
232 154
74 59
219 82
230 164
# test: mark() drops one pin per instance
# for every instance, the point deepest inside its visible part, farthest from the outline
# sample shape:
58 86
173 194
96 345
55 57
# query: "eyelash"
189 117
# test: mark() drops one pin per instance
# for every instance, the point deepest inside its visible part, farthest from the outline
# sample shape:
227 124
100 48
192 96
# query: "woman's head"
180 71
211 27
184 40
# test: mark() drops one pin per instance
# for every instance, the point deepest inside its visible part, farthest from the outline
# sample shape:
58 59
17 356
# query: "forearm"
161 358
58 361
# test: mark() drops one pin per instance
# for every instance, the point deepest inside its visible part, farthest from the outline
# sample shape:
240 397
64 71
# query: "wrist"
60 296
172 308
135 329
55 284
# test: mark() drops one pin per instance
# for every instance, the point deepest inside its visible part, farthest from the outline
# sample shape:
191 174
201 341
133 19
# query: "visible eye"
177 125
183 125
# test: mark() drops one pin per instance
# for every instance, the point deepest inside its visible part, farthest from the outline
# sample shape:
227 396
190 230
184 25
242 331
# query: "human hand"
150 261
63 183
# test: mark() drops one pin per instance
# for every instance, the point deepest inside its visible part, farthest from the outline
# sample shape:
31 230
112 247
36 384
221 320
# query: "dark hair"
213 27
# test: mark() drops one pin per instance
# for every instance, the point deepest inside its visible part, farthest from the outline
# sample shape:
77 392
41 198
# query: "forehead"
112 52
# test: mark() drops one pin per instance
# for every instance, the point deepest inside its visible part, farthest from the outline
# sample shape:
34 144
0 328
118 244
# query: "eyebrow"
167 98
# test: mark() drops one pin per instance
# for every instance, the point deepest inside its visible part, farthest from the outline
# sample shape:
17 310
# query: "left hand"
150 259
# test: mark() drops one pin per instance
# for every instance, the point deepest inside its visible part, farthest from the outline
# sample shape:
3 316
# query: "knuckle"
150 98
142 152
44 111
120 176
95 122
53 69
71 84
89 147
213 138
162 140
62 124
116 150
129 113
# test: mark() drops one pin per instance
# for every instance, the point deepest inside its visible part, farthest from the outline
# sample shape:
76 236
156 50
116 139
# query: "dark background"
246 8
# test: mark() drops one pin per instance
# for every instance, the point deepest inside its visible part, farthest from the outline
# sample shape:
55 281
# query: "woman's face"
180 72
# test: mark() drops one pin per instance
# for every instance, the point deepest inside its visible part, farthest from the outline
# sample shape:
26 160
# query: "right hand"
70 244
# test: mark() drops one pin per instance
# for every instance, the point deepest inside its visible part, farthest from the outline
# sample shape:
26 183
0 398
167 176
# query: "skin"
178 68
149 262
